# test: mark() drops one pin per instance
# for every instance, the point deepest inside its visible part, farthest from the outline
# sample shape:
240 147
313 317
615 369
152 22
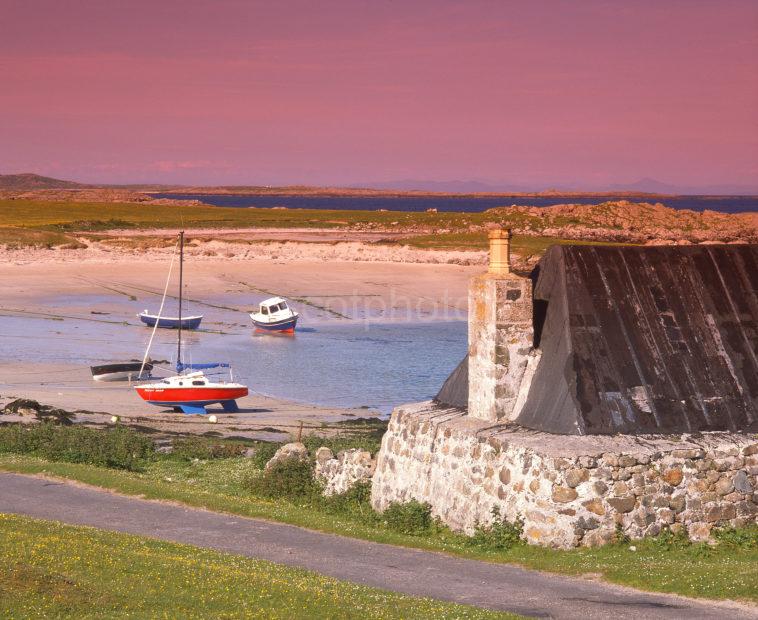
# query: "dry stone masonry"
338 474
617 394
568 490
341 473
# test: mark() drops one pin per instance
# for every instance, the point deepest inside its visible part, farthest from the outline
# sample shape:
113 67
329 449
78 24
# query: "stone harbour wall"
569 490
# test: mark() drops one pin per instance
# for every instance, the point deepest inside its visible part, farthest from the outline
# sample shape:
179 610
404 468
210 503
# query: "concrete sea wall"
569 490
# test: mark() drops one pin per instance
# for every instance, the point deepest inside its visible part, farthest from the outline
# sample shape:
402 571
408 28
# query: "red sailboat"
191 392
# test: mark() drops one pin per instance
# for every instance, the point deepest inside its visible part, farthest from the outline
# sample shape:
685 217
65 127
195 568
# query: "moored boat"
167 322
189 392
121 371
274 315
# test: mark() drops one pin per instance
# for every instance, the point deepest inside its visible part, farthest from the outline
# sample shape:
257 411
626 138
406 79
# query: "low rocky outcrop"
94 195
294 451
633 222
43 413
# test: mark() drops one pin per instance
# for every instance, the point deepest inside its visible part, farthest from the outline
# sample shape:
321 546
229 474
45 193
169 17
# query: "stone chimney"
500 336
500 251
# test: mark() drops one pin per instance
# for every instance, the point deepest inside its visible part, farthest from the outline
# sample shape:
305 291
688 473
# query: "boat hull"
285 325
120 372
191 322
193 399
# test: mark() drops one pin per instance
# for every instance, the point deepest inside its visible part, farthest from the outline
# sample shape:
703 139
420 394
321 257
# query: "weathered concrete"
569 490
410 571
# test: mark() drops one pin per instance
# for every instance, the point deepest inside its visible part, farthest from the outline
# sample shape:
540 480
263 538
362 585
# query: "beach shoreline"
70 387
84 302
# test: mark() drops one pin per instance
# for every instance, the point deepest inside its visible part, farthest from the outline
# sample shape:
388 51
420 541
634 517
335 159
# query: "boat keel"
230 406
191 409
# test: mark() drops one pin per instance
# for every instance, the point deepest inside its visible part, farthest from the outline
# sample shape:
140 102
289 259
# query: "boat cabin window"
282 306
264 310
198 383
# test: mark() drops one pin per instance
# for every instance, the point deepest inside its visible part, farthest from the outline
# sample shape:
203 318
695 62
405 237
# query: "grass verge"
725 571
49 570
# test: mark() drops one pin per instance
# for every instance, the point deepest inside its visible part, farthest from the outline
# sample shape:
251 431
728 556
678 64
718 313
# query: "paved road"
418 573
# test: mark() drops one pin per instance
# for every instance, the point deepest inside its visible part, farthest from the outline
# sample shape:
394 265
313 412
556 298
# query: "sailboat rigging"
179 322
190 392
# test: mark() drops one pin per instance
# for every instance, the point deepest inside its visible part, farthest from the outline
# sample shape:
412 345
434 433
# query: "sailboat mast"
181 274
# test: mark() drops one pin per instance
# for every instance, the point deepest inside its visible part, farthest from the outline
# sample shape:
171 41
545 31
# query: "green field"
49 570
50 224
724 571
67 216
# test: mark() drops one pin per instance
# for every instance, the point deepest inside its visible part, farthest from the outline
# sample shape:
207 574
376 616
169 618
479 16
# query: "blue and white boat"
274 315
168 322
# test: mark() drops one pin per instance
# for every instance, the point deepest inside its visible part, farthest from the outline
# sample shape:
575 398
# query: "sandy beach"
71 388
242 244
100 294
353 288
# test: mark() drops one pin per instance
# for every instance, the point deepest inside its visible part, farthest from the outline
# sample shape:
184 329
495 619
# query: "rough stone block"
622 504
563 495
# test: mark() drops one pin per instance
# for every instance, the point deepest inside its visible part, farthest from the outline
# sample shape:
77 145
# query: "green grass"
16 237
67 216
720 572
49 570
44 223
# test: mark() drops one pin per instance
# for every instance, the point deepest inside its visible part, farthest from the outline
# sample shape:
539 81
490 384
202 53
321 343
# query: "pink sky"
543 94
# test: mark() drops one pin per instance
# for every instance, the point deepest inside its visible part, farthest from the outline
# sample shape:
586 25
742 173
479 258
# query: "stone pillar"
500 336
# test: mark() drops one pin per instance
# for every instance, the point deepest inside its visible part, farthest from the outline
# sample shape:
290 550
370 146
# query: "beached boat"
274 315
121 371
192 392
168 322
189 392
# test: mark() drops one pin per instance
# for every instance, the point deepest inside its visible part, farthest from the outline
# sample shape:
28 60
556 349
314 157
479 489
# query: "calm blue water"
725 204
342 364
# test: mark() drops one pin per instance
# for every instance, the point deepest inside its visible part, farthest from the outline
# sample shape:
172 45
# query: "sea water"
338 363
472 204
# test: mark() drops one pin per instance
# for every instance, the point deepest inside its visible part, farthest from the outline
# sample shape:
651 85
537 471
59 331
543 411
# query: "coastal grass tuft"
50 570
412 518
189 448
16 238
369 440
118 448
290 479
499 533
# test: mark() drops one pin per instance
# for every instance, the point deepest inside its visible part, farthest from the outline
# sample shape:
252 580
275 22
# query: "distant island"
30 182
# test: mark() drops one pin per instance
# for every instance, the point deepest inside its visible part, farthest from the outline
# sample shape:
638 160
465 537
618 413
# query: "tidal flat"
373 335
